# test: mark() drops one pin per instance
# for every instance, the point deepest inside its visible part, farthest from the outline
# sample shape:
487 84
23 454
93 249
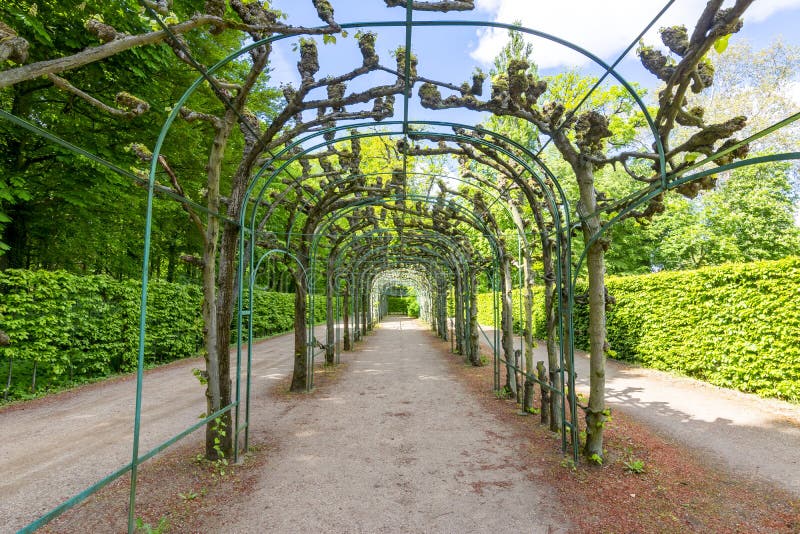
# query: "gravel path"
740 432
55 447
395 445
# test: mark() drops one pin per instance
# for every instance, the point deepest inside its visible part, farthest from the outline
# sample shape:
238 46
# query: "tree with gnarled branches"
580 139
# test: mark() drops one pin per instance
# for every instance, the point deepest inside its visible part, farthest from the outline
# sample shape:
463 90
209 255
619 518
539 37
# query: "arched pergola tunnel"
350 233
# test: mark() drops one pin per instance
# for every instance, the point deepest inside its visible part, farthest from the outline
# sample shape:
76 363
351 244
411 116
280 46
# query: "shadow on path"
744 433
396 444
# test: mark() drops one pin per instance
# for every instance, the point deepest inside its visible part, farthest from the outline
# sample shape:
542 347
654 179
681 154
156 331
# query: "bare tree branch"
131 112
442 5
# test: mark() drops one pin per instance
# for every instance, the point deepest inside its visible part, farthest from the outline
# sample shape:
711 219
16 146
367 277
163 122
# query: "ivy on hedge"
74 328
734 325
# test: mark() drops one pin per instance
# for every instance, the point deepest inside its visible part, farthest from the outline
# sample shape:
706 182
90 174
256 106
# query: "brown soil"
677 492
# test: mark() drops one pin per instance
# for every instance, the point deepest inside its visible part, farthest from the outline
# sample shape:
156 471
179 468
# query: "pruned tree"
580 139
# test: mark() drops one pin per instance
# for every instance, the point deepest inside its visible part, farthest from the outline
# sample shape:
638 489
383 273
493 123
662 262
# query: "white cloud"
793 91
604 28
282 68
763 9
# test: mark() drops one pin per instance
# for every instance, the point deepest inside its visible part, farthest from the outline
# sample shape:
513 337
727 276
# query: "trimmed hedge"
486 310
273 313
403 305
735 325
79 328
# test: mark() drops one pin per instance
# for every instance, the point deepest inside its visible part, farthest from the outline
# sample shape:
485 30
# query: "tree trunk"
364 306
474 341
595 414
216 332
346 317
442 300
331 325
507 324
300 335
542 376
551 322
458 308
356 314
595 263
527 275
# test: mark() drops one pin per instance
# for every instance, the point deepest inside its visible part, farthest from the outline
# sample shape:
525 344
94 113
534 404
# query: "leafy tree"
748 217
582 137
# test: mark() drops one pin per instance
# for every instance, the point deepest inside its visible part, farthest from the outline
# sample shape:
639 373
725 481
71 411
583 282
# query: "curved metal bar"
241 313
789 156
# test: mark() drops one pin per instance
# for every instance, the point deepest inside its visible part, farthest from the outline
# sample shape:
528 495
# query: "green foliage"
274 312
413 308
188 496
403 305
486 310
735 325
79 328
502 393
634 466
147 528
748 217
596 459
569 463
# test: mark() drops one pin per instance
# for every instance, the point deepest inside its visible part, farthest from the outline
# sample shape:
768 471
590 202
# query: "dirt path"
396 445
55 447
743 433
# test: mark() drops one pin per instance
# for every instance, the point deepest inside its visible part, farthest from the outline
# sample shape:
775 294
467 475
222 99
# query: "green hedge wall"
486 310
403 305
78 328
735 325
274 312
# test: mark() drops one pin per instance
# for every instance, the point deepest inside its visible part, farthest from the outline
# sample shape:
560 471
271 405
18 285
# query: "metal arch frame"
367 275
459 261
383 280
354 285
251 286
363 278
311 291
520 231
360 235
152 188
428 199
565 310
372 201
398 276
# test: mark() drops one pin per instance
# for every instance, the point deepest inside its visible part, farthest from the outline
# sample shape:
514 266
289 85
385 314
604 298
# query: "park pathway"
397 444
55 447
735 431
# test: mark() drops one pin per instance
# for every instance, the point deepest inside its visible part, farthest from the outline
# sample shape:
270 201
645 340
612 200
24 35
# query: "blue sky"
604 27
